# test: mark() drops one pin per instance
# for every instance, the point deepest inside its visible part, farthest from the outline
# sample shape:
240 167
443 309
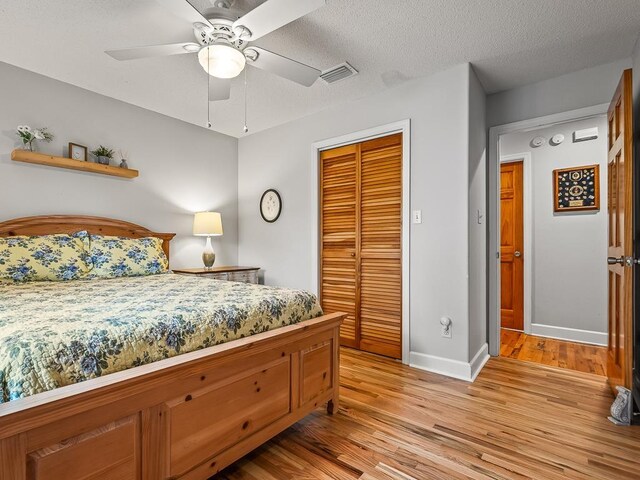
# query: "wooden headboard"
51 224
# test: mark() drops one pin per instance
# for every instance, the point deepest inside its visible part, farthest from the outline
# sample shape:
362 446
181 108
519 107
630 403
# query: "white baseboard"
570 334
479 361
467 371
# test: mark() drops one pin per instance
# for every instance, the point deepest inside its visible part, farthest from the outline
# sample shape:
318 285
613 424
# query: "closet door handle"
353 254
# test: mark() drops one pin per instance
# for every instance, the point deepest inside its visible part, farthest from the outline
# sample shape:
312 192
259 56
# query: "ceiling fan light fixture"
221 60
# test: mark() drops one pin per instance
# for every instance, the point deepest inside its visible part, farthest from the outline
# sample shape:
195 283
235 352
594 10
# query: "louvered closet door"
381 246
361 257
339 237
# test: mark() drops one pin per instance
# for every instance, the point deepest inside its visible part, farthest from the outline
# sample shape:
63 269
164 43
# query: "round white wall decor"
270 205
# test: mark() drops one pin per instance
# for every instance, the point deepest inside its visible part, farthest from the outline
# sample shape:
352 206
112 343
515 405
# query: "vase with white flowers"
29 135
103 154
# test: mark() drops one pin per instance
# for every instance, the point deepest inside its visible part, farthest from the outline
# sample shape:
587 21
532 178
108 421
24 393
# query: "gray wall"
183 168
281 158
584 88
477 216
569 271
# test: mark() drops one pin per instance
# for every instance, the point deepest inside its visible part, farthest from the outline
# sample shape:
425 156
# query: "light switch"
417 216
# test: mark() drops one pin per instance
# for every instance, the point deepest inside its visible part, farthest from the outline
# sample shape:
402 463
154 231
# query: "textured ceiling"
510 42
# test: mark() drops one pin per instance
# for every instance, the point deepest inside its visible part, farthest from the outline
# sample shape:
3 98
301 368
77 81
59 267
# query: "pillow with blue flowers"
57 257
126 257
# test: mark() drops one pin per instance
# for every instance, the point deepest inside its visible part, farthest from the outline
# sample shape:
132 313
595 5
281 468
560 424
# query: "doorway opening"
553 237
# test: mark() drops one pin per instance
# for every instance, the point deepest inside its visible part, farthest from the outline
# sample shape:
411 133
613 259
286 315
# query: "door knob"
615 260
517 254
353 254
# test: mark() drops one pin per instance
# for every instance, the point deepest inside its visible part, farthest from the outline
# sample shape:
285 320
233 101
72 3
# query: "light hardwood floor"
556 353
517 420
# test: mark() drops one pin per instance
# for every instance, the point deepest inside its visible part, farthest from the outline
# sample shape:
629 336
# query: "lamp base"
208 255
208 259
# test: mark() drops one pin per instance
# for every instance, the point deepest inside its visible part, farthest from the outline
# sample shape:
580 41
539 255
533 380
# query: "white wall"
280 158
183 168
584 88
569 272
477 216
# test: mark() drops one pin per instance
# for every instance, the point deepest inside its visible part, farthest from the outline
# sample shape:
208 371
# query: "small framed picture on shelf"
577 188
77 152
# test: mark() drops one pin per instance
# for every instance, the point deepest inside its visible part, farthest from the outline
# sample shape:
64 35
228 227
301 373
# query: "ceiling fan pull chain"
208 93
245 129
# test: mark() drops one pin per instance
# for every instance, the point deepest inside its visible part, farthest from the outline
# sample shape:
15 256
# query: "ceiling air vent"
339 72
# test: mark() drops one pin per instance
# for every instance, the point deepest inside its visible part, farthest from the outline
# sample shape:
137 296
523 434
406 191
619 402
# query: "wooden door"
381 246
361 242
620 251
339 233
511 247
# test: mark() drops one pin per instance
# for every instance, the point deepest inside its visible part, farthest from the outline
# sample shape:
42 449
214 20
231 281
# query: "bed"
131 403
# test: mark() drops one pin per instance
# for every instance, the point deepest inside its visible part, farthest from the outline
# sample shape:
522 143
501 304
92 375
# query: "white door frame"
527 223
404 127
493 166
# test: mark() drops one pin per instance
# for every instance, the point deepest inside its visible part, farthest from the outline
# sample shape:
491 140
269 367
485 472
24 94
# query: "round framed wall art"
270 205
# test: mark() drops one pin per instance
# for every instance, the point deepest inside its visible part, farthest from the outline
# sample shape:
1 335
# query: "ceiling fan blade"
273 14
184 9
283 66
219 89
154 51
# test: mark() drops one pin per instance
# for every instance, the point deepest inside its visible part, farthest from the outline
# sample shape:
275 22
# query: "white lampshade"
222 60
207 224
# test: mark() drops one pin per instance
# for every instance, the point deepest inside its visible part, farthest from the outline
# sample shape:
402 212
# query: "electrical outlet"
445 327
446 331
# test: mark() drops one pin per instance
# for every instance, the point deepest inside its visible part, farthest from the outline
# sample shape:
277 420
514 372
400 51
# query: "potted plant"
29 135
103 154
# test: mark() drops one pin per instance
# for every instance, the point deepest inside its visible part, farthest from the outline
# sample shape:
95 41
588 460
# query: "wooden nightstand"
233 274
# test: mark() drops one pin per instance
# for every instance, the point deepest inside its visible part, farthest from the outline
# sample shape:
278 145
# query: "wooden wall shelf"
69 163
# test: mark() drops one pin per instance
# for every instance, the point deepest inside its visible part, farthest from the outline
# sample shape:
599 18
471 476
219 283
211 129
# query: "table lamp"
207 224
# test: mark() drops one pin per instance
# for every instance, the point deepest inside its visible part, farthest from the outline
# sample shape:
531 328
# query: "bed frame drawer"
209 421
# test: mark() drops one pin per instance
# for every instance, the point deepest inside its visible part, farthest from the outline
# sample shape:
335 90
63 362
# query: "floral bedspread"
58 333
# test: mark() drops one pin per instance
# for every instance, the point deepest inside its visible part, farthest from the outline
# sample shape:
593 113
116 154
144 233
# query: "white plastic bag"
621 407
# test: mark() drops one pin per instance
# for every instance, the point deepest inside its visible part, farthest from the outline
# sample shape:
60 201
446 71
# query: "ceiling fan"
225 41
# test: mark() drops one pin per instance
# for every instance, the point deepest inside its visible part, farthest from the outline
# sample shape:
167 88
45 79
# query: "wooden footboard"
187 417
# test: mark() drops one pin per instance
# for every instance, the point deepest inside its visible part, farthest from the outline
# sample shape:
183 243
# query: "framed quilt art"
576 188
